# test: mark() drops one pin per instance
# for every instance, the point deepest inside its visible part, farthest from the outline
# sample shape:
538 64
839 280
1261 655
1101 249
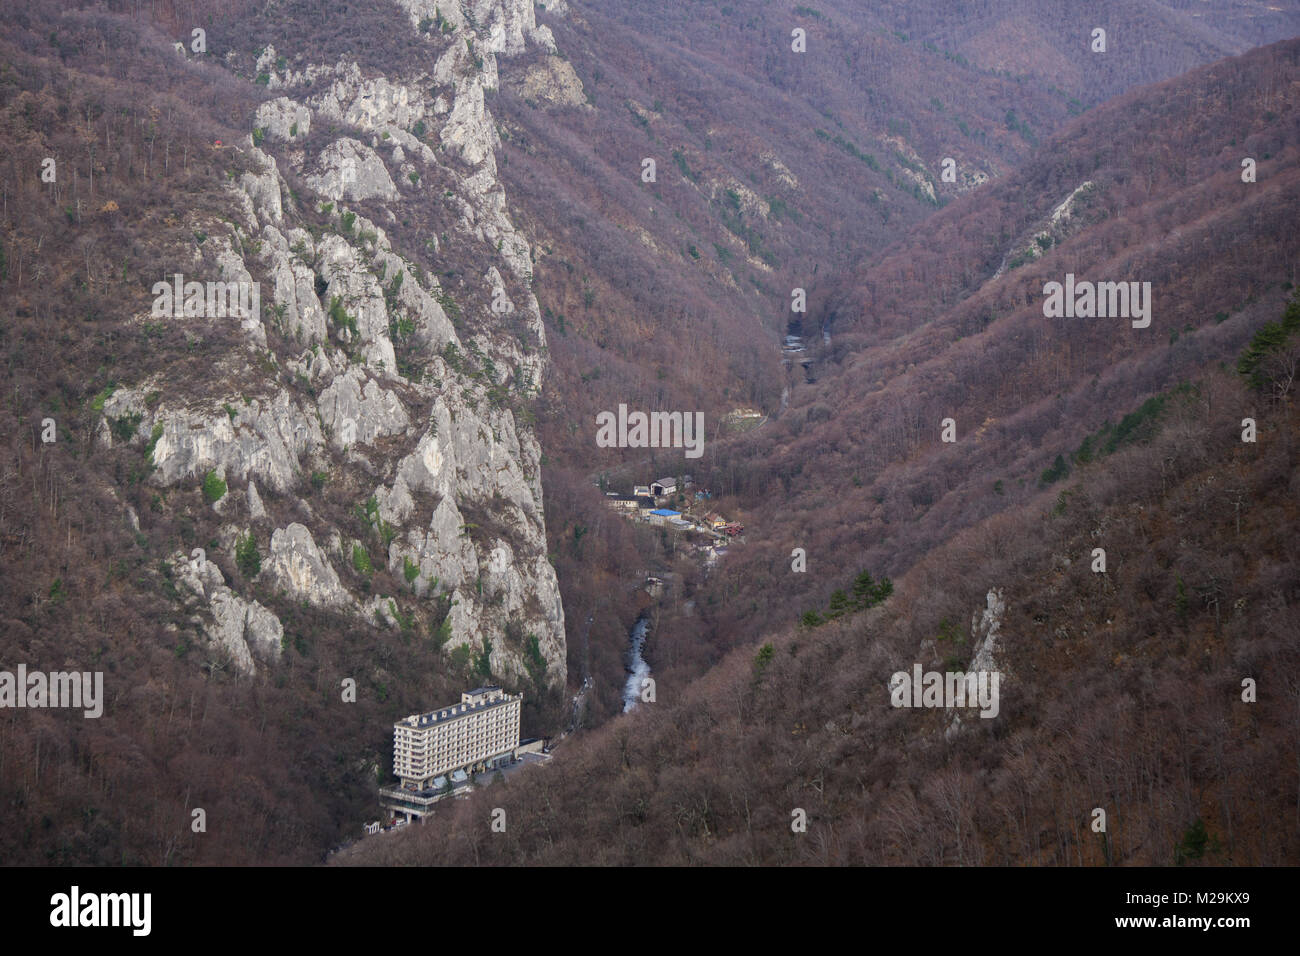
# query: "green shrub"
214 489
361 559
483 663
1054 474
442 633
340 316
404 621
448 305
152 442
1272 337
97 403
850 148
533 659
1193 844
247 557
123 428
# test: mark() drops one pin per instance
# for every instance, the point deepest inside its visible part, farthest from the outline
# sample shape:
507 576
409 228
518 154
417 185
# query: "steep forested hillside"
278 529
775 170
1120 690
1127 684
950 324
473 224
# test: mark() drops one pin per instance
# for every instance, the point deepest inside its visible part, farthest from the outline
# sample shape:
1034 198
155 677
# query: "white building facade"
468 736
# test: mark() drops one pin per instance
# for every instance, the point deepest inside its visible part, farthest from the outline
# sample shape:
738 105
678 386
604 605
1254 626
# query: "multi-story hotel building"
468 736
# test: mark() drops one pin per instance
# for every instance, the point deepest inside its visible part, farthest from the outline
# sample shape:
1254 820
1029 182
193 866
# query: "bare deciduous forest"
1122 690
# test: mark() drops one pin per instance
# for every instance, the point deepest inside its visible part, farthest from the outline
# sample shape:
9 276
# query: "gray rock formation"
244 629
256 510
282 118
984 628
324 396
299 568
266 439
357 409
353 171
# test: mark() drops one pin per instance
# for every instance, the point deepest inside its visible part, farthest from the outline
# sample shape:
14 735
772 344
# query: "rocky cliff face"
409 394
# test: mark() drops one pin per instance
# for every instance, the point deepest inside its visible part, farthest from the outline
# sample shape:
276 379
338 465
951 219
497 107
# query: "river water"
637 666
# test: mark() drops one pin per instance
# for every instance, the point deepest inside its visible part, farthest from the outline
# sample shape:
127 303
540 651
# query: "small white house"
663 487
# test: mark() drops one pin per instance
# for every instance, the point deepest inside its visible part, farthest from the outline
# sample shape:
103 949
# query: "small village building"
622 502
662 515
664 487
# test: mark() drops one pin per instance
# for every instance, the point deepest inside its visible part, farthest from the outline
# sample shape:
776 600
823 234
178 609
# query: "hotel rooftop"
471 702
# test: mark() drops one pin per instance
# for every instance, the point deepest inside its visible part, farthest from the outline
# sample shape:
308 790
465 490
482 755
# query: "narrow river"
637 667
